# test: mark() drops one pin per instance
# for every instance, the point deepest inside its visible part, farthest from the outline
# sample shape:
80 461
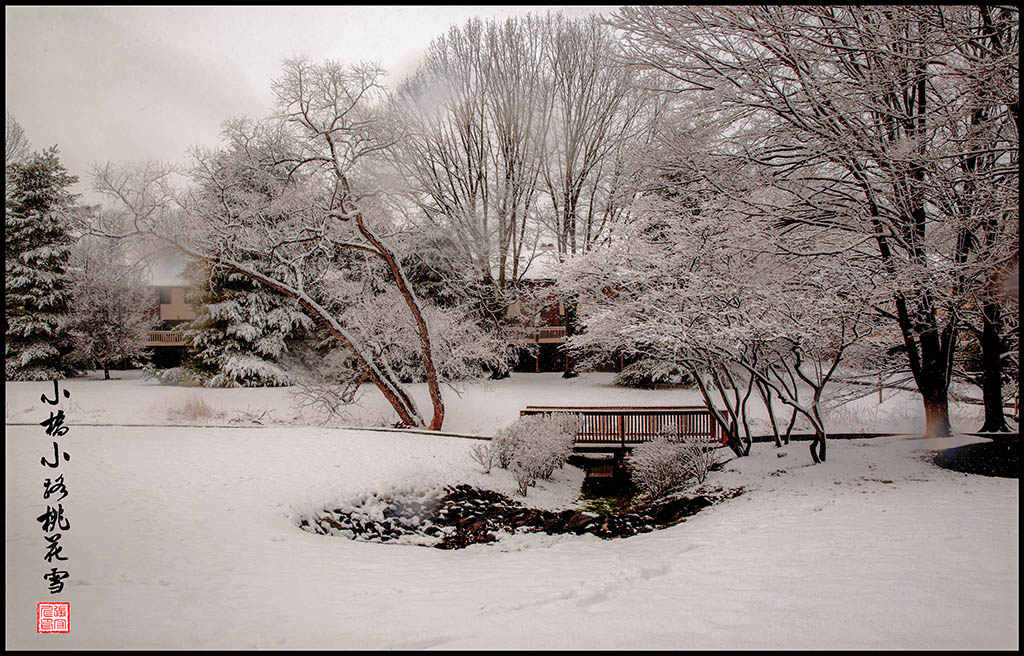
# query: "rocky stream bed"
465 515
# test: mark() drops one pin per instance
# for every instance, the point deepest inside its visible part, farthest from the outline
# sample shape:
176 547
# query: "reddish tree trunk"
401 403
426 350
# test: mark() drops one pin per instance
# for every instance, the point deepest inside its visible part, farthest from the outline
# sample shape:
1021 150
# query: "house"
538 328
166 343
174 310
169 288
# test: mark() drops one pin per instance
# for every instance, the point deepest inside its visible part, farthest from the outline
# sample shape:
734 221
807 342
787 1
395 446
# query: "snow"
187 536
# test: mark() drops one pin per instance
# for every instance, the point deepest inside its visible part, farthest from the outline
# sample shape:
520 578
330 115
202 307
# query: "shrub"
193 409
485 455
173 376
533 446
701 457
646 374
506 444
663 466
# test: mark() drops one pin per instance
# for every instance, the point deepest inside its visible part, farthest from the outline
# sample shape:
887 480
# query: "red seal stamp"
53 617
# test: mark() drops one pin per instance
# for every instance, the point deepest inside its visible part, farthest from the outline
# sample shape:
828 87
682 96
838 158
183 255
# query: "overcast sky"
136 84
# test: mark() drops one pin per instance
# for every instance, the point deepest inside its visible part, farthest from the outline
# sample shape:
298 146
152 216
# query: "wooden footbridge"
620 429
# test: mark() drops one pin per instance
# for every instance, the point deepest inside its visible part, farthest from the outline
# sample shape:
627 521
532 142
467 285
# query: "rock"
554 525
465 516
579 522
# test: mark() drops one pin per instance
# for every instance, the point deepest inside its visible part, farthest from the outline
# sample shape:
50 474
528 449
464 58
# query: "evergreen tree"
241 331
38 243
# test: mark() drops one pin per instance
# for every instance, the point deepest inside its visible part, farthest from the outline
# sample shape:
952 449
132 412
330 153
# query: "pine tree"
37 243
241 331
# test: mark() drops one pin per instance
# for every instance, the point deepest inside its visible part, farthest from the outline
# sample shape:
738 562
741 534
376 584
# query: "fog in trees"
112 308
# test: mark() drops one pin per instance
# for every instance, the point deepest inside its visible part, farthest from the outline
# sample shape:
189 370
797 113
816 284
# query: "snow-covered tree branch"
894 124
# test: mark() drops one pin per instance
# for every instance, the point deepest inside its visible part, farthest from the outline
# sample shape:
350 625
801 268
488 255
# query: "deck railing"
165 338
623 428
542 334
551 332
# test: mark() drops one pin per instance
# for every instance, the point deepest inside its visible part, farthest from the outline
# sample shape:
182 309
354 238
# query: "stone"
579 522
465 516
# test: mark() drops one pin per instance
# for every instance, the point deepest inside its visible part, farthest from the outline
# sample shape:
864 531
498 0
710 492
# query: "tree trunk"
392 391
570 326
789 428
766 397
106 376
426 350
936 411
992 370
743 413
732 439
734 412
819 429
931 359
818 446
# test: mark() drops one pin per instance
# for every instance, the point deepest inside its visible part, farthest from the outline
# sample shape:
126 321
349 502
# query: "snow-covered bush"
532 446
649 373
505 445
485 455
700 456
663 466
172 376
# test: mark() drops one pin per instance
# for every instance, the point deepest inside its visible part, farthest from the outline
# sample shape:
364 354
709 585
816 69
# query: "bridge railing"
625 427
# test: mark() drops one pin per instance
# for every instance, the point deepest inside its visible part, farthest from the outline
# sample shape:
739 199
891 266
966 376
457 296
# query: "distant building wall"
173 306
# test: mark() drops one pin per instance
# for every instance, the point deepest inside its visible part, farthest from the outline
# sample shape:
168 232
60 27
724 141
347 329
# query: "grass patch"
612 505
194 409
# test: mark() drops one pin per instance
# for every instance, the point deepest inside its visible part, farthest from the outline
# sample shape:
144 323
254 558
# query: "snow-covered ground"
186 537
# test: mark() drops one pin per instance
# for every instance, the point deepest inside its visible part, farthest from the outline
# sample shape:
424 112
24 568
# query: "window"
165 295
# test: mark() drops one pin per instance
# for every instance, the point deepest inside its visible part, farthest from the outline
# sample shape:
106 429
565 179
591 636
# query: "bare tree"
876 121
329 104
15 142
112 309
695 281
522 130
279 206
598 111
476 111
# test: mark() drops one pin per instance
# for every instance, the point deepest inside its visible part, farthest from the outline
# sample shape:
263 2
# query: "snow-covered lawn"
186 537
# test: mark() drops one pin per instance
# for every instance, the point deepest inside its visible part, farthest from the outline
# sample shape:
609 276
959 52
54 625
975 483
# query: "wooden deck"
165 338
622 428
541 335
